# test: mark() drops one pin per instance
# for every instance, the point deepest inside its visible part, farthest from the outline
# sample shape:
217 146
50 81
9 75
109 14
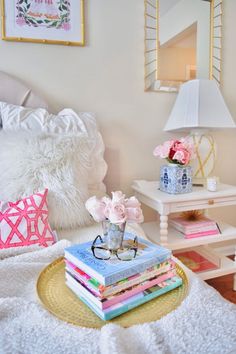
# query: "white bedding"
203 324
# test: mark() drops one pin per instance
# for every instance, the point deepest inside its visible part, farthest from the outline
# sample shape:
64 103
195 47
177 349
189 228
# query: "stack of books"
113 287
195 228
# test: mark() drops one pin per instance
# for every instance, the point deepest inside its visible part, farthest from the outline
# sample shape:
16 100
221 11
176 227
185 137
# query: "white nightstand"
165 204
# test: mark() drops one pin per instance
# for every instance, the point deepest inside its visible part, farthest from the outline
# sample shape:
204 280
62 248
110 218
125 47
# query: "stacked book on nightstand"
195 228
113 287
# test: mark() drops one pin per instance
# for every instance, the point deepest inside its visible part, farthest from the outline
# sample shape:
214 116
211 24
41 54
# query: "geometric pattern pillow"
25 222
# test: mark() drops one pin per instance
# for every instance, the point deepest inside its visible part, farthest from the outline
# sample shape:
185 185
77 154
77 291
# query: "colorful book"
202 234
119 297
110 271
105 291
195 261
193 226
132 302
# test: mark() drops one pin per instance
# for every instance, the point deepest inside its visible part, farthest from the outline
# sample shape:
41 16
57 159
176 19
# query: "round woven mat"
60 301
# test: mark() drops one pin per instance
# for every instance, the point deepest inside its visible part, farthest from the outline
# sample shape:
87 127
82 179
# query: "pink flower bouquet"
117 209
176 151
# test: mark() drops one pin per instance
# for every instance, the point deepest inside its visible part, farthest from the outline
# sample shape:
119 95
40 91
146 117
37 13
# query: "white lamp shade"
199 104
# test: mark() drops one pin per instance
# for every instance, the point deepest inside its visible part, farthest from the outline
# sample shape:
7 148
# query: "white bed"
204 323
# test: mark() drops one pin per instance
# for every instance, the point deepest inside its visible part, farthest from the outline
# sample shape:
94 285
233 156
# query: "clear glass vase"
113 234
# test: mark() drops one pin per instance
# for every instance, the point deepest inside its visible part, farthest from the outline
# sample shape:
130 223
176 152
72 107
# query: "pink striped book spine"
138 289
187 226
201 234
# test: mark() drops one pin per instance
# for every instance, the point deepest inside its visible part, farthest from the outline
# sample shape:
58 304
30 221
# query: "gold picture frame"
151 44
10 26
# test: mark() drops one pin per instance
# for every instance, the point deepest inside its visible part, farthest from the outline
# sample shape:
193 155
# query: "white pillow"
38 121
30 163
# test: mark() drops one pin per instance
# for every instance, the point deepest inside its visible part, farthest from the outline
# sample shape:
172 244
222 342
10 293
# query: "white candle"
212 184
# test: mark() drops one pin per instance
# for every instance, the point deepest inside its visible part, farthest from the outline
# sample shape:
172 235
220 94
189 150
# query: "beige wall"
106 77
170 69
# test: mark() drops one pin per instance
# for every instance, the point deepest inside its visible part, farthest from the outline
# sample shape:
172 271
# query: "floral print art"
43 13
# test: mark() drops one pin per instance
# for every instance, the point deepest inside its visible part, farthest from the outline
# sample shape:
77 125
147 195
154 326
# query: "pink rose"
183 156
96 208
163 151
116 212
132 202
134 215
118 197
106 200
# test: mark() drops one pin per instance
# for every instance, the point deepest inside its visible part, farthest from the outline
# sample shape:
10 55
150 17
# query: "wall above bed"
106 77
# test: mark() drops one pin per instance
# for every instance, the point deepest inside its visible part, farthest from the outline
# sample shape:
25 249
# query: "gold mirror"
183 41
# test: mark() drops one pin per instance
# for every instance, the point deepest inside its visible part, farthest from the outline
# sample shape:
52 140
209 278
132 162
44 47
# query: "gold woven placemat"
61 301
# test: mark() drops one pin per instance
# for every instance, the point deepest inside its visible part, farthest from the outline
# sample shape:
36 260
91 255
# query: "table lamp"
200 107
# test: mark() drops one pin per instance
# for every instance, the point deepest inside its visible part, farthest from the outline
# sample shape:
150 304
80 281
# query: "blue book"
110 271
132 302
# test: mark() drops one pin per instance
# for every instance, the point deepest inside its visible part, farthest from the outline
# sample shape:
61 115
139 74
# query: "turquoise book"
110 271
132 302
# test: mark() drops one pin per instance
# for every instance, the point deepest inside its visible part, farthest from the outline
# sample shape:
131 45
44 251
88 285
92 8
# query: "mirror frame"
151 40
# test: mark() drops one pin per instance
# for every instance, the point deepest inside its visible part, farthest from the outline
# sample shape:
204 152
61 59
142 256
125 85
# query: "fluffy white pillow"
30 163
38 121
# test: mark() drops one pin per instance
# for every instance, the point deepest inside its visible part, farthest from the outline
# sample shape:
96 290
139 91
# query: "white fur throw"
60 163
203 324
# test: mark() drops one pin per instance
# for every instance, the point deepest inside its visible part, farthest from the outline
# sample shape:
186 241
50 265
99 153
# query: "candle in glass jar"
212 184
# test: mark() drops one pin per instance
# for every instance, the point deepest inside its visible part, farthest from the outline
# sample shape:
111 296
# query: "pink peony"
116 213
178 145
134 215
182 156
178 151
96 208
163 151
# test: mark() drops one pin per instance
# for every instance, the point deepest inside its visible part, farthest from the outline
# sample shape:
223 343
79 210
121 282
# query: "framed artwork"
43 21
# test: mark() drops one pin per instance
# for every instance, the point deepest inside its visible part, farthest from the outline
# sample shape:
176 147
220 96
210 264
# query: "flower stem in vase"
113 234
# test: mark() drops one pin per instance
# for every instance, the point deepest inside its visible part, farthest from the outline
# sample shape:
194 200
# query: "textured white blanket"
204 323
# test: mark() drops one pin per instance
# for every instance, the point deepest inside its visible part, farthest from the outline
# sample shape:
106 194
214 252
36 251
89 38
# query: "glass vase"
113 234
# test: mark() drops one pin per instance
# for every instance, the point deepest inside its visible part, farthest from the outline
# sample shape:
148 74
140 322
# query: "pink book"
103 292
201 234
112 300
137 289
192 224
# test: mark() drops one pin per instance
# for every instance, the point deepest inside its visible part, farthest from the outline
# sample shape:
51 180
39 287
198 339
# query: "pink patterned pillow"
25 222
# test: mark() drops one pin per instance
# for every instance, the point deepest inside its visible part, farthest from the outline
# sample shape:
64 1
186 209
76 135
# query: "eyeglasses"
127 252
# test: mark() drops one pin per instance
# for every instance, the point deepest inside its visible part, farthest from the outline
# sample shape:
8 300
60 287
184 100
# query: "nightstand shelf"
227 266
165 204
176 241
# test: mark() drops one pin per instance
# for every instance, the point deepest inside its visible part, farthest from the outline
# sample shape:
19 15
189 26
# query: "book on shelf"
108 272
131 302
195 228
81 289
104 291
198 260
